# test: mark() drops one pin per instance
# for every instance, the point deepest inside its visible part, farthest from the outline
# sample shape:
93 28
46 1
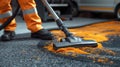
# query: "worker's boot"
43 34
8 35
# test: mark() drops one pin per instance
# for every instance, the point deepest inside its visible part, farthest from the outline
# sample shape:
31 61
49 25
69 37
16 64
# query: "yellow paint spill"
97 32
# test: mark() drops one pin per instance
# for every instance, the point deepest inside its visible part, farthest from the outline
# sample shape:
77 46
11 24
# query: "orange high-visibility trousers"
33 21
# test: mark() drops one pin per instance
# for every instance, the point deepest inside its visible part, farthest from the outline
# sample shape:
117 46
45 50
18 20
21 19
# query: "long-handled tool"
70 40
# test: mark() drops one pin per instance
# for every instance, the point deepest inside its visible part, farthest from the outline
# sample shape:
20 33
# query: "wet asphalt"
23 52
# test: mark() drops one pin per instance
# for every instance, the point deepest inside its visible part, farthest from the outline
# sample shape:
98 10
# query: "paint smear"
97 32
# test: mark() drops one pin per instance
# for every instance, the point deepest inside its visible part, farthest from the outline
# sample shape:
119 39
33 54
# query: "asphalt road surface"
23 52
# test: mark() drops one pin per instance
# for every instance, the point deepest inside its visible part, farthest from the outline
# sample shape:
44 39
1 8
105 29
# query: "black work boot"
43 34
8 35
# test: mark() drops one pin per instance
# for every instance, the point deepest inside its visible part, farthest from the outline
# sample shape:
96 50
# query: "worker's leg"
32 19
5 13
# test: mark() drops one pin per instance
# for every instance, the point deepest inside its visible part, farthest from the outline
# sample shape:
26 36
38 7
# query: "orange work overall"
28 7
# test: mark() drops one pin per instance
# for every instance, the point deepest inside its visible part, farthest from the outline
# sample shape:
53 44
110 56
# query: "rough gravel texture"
23 52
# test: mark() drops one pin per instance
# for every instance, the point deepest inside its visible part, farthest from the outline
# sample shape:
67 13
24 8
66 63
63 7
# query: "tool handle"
49 8
60 23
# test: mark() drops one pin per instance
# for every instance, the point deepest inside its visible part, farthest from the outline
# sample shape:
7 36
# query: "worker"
33 21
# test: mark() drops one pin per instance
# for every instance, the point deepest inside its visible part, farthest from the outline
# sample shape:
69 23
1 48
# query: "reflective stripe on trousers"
29 11
7 14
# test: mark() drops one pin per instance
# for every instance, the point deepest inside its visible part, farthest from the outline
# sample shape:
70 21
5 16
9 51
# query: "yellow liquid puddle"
97 32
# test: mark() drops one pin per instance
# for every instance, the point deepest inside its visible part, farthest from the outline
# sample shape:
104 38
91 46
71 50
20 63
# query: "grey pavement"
76 22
